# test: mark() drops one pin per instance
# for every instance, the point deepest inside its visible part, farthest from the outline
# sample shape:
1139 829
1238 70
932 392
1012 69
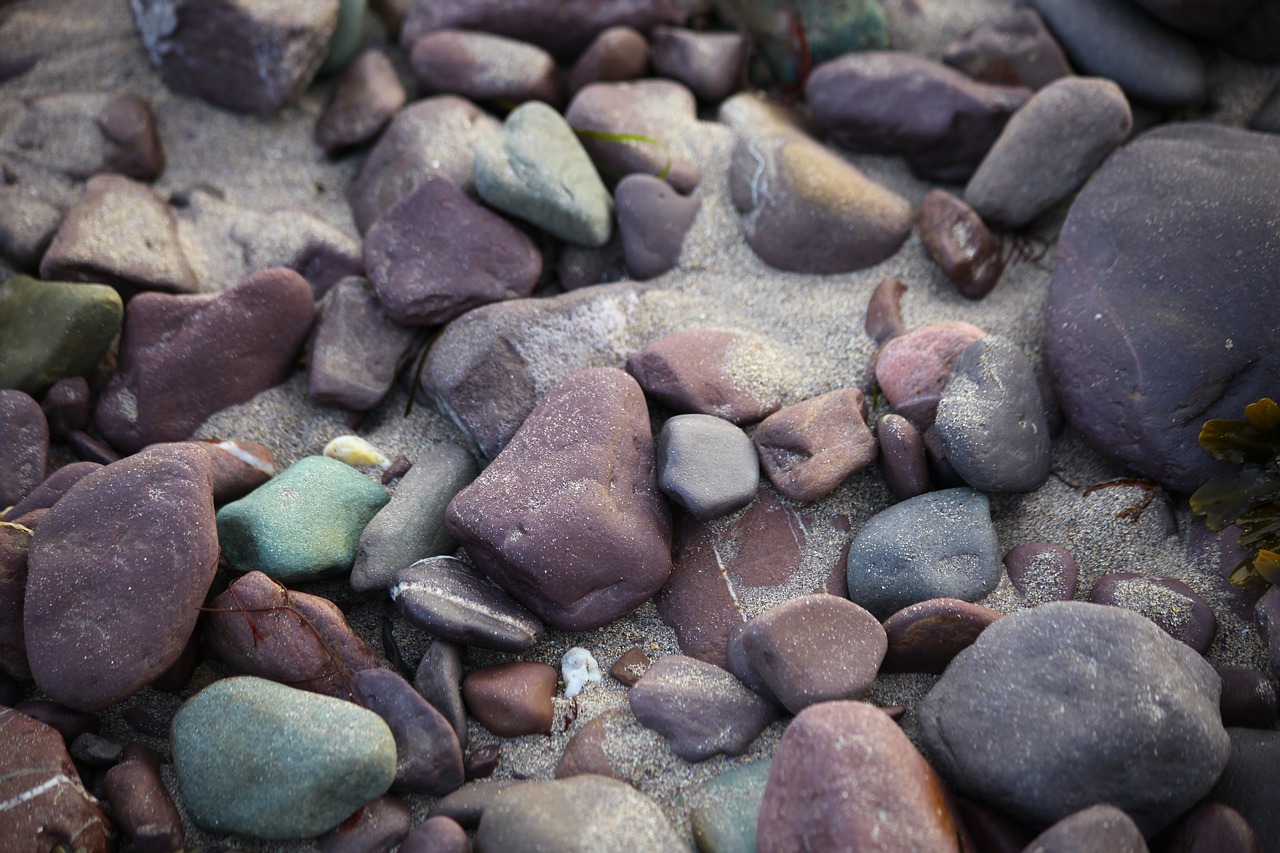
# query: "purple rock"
437 834
902 457
428 757
653 220
1266 615
1095 828
15 541
141 803
1041 572
1175 607
1248 698
710 64
24 448
484 67
1015 49
810 448
355 349
912 369
616 54
1248 785
377 826
365 98
81 134
884 310
924 637
66 405
1215 828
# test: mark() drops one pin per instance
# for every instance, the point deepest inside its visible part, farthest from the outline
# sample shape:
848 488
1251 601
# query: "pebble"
27 225
238 467
578 667
348 34
888 102
439 680
24 448
1266 615
140 802
512 699
709 63
960 244
428 755
912 369
355 349
481 66
286 237
257 758
1248 784
466 805
94 750
356 452
536 169
845 776
937 545
434 135
925 637
411 526
81 134
168 339
1012 49
1101 827
15 542
724 821
53 330
830 29
568 518
1248 698
304 523
653 220
991 829
629 667
884 310
249 57
378 826
617 53
810 448
1041 572
1168 602
454 602
66 406
1215 828
592 748
902 457
366 97
706 465
1049 149
1050 712
700 709
438 834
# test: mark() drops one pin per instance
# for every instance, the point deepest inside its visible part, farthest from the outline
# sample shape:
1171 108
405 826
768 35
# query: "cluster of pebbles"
786 473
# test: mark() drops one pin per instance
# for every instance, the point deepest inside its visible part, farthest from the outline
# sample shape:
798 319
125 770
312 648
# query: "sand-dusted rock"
960 243
707 465
652 221
809 448
367 95
66 405
484 67
355 349
379 825
455 603
709 63
912 369
617 53
1175 607
728 806
53 487
81 134
1013 49
53 329
1041 572
24 447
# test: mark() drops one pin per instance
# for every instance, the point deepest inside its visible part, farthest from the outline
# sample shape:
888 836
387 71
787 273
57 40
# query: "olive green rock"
303 524
347 36
830 28
724 819
54 329
258 758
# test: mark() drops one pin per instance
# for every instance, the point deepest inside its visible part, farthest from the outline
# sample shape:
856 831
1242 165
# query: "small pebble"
377 826
367 95
617 53
902 457
1041 572
960 244
1178 609
467 804
457 604
428 755
24 450
480 763
1248 698
1014 49
356 452
810 448
66 405
710 64
482 66
512 699
141 803
653 220
924 637
884 310
439 680
628 668
912 369
1215 828
707 465
437 834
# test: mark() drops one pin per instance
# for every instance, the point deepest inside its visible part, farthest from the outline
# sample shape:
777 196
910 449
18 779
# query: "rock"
439 134
27 225
845 775
428 757
1175 607
925 637
1041 572
239 467
24 447
258 758
628 668
884 310
1050 711
706 465
69 722
1266 615
960 243
46 803
1117 41
411 526
1267 118
438 254
484 67
466 805
512 699
439 680
347 37
725 819
537 170
653 220
710 64
592 748
95 751
888 102
1248 782
1049 149
141 803
51 489
1248 698
990 419
355 349
453 602
1198 17
617 53
438 834
15 542
700 709
536 816
241 341
568 518
1206 193
1100 827
902 457
66 405
1254 38
53 330
808 449
117 572
379 825
81 134
912 369
366 97
1212 827
280 237
1014 49
806 209
244 55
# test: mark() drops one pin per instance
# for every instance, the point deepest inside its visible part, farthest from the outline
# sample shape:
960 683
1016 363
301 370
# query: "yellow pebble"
356 452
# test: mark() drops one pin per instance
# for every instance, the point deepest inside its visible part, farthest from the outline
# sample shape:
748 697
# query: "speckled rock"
1177 608
902 457
53 487
355 349
455 603
15 542
24 447
809 448
724 821
1248 782
1041 572
912 369
653 220
1248 698
512 699
141 803
484 67
53 329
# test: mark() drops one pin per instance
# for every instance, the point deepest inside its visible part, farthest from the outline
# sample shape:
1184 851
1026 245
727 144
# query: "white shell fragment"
577 667
356 452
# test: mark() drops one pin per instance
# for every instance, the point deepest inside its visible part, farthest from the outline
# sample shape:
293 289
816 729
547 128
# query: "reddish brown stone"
629 667
960 244
55 486
367 95
925 637
884 310
585 752
24 451
234 475
912 369
1170 603
142 804
379 825
618 53
512 699
810 448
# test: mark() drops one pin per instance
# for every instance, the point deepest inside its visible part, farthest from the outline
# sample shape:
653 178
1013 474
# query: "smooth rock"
590 750
902 457
66 405
289 237
960 244
24 447
1248 782
428 756
1248 698
1041 572
709 63
1178 609
239 467
810 448
81 134
617 53
53 330
707 465
365 98
1013 49
15 542
912 369
141 803
466 805
48 492
1213 827
378 826
437 834
653 220
725 819
512 699
925 637
484 67
355 349
883 320
630 666
439 680
1199 18
1266 615
454 602
1101 827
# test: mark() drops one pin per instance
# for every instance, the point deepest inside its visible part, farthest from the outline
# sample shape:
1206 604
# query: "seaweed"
602 136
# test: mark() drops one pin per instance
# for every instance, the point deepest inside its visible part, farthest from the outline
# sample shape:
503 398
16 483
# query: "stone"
366 97
141 803
27 225
66 405
700 709
1013 49
1119 42
1049 149
628 668
379 825
1198 17
808 449
889 102
1267 117
117 572
537 170
484 67
960 244
1120 329
1266 616
925 637
1254 38
653 220
589 749
95 751
15 542
239 467
466 805
936 545
725 819
845 775
512 699
1212 827
434 135
709 63
81 134
355 349
428 756
438 254
257 758
452 601
1101 827
706 465
568 519
1248 782
241 341
1177 608
902 457
287 237
912 369
883 320
990 420
438 834
245 55
51 489
411 526
53 330
69 722
24 447
1050 712
617 53
1248 698
1041 572
439 680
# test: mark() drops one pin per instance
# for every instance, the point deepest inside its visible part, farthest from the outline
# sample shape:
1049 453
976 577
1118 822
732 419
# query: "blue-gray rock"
1153 324
652 220
456 603
1199 18
1014 49
707 465
728 805
1249 783
991 419
1100 827
1070 704
536 169
1049 149
261 759
355 348
936 545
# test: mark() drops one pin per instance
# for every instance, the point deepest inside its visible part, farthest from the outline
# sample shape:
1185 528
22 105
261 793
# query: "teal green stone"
724 821
304 523
258 758
347 36
831 28
50 330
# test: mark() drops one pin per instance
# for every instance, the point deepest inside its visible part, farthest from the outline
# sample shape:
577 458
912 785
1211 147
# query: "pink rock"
912 369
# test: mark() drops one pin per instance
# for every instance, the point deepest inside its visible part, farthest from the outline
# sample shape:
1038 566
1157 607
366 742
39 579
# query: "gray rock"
439 680
484 67
454 602
355 349
936 545
1051 711
724 820
653 220
1257 37
1014 49
709 63
707 465
428 755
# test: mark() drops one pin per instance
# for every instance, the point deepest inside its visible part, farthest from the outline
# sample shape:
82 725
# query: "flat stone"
1013 49
960 244
924 637
653 220
617 53
365 98
455 603
1041 572
1100 827
355 350
24 447
428 756
707 465
725 821
808 449
1177 608
912 369
484 67
512 699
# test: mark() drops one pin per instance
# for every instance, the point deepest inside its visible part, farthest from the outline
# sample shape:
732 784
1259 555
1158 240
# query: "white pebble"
356 452
577 667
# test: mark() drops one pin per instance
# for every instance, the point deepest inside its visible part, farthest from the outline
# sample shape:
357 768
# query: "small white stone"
577 667
356 452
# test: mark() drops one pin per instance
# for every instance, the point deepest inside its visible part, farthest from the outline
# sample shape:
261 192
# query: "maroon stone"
628 668
356 350
484 67
960 244
467 804
14 544
1041 572
902 457
66 405
1248 698
480 763
365 98
1014 49
653 220
1095 828
1168 602
428 757
1266 615
924 637
808 449
512 699
24 446
992 831
69 722
912 369
90 449
710 64
377 826
618 53
234 476
437 834
142 804
586 750
1215 828
884 310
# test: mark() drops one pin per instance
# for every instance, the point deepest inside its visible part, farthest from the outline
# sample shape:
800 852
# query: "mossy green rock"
303 524
258 758
724 821
54 329
830 28
347 35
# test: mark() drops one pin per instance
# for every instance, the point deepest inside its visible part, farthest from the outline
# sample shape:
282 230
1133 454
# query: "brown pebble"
69 723
585 752
141 803
437 834
378 826
1215 828
884 310
480 763
810 448
1248 698
628 668
66 405
924 637
618 53
512 699
960 244
467 804
902 457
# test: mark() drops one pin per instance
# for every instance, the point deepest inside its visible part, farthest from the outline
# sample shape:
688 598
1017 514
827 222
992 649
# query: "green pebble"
347 36
53 329
303 524
725 819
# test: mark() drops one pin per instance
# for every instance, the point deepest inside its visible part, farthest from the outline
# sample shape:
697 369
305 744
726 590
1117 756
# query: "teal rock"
54 329
725 819
257 758
347 35
537 169
303 524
